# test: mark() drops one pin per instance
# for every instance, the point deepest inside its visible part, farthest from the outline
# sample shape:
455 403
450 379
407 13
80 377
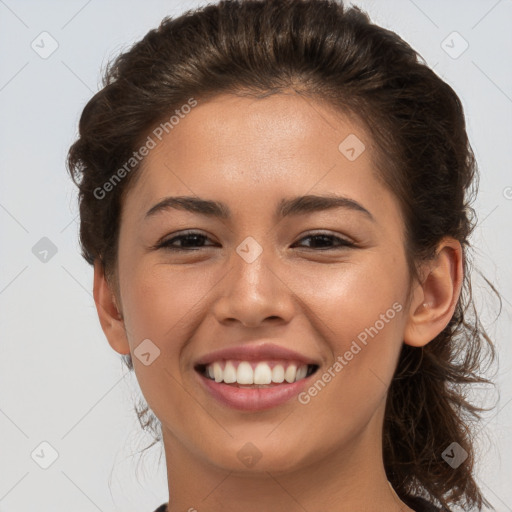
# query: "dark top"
417 504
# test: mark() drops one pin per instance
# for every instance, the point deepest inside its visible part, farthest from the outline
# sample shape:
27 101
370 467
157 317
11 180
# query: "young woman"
275 198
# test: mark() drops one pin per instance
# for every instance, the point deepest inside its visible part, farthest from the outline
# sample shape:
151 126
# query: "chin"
260 456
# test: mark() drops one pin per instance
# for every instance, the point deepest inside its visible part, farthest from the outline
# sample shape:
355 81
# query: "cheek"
359 312
159 305
160 301
351 297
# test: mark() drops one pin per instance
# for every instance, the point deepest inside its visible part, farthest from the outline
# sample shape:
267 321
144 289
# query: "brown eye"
325 241
188 241
194 240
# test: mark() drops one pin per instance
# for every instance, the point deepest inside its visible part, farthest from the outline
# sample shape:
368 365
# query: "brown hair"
331 53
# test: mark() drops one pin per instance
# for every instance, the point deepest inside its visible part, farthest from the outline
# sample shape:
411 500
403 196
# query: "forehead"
259 150
275 128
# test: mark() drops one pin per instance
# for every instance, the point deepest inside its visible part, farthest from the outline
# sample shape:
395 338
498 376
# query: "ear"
434 300
111 319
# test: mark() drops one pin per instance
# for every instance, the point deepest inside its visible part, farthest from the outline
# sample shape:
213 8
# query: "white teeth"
263 374
244 373
290 373
278 373
230 373
301 372
217 372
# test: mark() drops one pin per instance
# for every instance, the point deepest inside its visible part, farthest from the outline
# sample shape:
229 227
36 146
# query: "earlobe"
110 317
435 299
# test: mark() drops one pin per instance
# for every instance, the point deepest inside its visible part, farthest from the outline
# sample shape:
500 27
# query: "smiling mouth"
256 374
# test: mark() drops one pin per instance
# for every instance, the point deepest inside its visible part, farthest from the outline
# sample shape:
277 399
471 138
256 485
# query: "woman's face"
329 284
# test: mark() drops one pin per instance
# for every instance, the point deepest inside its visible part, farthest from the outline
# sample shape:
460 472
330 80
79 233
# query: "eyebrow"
299 205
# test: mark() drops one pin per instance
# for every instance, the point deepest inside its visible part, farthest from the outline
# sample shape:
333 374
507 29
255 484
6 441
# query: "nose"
253 294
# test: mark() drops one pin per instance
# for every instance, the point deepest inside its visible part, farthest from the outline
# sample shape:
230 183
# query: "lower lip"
253 399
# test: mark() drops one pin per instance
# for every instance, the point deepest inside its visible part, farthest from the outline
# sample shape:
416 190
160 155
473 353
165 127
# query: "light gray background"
60 381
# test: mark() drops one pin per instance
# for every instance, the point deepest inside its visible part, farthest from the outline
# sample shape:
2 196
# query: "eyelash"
166 244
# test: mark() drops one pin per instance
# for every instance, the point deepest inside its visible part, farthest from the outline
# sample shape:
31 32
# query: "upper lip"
255 352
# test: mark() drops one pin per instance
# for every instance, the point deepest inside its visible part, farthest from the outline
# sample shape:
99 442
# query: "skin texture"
249 154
